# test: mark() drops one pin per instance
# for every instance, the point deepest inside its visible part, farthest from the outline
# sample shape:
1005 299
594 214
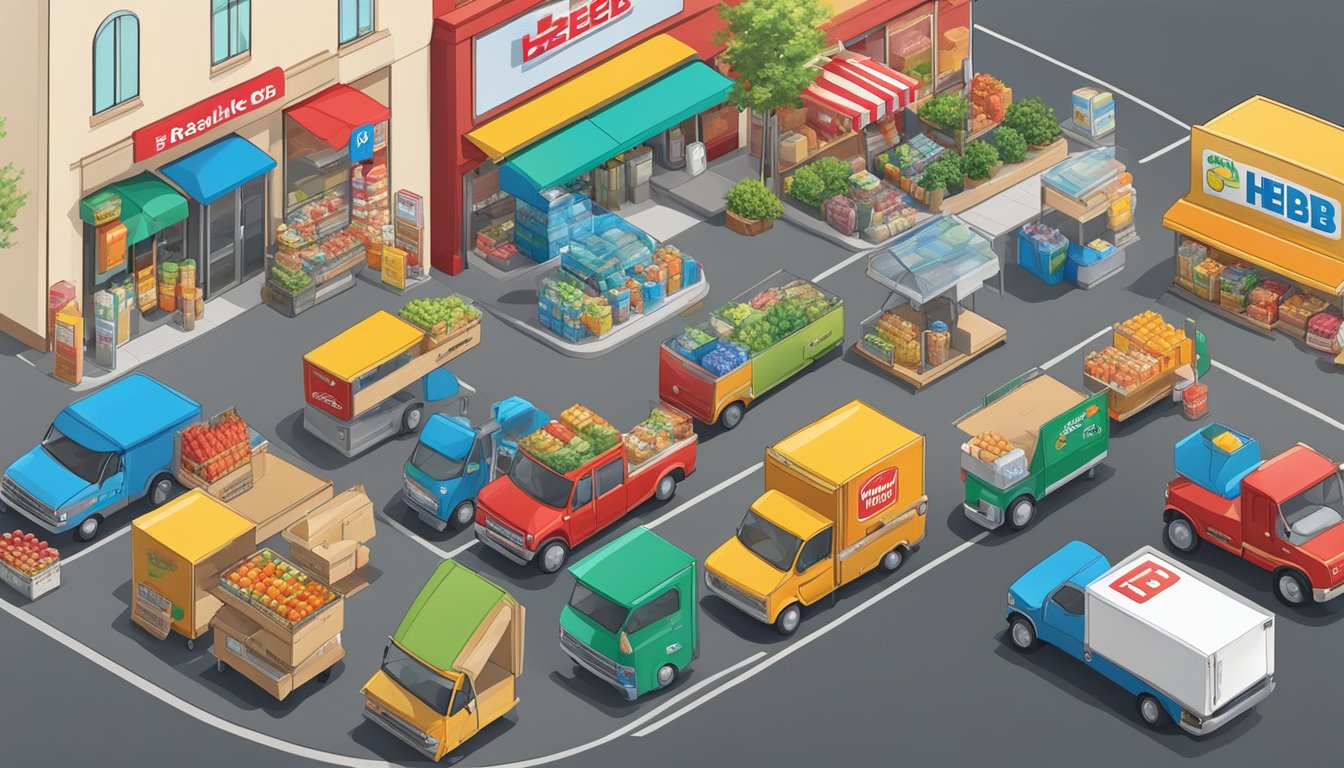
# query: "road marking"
454 553
673 513
1057 359
839 266
616 734
186 707
1081 73
820 632
1301 406
1166 149
411 535
107 540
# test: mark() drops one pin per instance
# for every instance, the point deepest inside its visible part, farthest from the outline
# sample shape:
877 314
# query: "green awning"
583 145
148 205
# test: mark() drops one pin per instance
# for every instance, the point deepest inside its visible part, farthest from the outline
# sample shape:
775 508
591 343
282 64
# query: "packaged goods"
1322 332
1227 442
287 594
671 420
938 345
1263 306
988 446
1278 287
880 345
904 337
1150 330
1239 280
1123 370
1297 309
1207 279
842 214
725 358
1195 401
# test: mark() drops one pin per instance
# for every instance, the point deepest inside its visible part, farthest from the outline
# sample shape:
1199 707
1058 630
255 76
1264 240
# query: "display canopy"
583 145
219 168
1084 174
336 112
148 205
861 89
943 255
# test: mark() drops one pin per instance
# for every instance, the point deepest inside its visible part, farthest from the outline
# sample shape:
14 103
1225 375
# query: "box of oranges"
297 613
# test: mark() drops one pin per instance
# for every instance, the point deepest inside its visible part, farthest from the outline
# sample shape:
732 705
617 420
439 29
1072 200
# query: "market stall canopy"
336 112
148 205
1263 249
219 168
447 614
861 89
942 255
582 146
1084 174
366 345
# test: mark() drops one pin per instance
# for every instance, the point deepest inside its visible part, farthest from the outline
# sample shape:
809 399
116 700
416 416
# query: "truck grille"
399 728
419 496
499 529
733 594
25 502
590 659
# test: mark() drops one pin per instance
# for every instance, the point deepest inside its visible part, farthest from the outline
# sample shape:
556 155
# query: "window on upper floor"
356 20
230 29
116 61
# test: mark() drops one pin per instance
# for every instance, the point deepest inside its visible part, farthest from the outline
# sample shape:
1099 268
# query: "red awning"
333 114
861 89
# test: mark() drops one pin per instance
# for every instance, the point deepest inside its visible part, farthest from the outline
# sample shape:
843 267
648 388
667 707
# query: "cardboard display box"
281 494
233 647
329 542
283 645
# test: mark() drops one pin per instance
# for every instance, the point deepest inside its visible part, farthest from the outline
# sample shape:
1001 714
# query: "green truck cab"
1053 432
632 617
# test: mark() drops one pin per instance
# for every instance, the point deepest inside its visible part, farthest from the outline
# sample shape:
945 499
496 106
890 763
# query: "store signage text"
877 493
1251 187
555 31
208 114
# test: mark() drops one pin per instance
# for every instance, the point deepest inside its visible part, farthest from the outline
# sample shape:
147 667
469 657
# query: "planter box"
1007 176
291 304
33 586
747 227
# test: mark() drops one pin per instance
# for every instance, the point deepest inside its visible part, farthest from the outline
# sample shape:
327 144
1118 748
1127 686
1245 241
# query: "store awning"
148 205
943 256
1303 265
580 96
582 146
861 89
333 114
219 168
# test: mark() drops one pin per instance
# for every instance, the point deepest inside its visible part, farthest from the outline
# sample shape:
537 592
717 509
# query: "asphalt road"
883 673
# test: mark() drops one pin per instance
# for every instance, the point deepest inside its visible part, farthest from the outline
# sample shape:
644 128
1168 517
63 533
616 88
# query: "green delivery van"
632 617
1029 438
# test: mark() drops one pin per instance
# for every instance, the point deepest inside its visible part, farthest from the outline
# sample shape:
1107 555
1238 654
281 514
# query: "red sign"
555 32
877 493
1145 581
326 392
208 114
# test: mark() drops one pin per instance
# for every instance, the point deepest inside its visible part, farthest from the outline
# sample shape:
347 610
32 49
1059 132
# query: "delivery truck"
1146 362
843 496
751 345
1282 515
1188 649
1029 438
452 666
578 475
631 619
453 461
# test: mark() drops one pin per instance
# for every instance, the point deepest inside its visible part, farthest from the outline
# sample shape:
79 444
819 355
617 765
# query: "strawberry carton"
216 455
28 564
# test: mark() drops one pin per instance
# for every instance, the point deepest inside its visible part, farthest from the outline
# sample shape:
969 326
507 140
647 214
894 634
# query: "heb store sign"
1248 186
208 114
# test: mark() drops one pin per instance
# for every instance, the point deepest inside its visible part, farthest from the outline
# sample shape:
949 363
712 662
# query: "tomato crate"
33 586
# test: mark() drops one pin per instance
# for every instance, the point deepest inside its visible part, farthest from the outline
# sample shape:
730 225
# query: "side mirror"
625 644
471 707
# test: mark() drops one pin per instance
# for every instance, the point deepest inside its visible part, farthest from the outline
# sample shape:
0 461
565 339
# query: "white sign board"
1258 190
551 39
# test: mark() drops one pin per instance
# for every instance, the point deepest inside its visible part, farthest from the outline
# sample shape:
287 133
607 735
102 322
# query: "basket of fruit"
441 317
277 589
29 564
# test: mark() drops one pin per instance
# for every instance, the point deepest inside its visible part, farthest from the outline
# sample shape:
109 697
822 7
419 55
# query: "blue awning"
217 169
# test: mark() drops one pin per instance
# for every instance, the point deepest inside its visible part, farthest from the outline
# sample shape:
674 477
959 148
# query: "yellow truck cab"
843 496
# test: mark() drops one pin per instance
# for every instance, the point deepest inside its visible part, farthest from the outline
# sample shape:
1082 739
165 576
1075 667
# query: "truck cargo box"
1202 460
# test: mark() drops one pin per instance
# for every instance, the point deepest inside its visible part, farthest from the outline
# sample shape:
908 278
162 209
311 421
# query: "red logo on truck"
1145 581
325 392
877 493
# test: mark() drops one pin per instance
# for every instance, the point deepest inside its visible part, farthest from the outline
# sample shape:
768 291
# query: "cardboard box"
328 562
361 557
278 643
232 646
792 148
280 496
348 516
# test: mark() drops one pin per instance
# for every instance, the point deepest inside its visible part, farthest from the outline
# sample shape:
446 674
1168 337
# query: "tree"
770 46
11 197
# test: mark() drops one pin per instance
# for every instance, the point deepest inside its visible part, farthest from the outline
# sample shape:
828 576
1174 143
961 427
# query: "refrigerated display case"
1090 199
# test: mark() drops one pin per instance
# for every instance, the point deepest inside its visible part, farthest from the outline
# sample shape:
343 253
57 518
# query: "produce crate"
33 586
291 304
1002 473
195 474
243 599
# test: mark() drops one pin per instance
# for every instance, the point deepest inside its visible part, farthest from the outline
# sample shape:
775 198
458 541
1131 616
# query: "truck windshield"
85 463
426 684
1314 511
768 541
435 464
607 614
539 482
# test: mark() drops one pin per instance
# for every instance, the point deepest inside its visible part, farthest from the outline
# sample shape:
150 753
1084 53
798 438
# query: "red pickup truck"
1283 514
537 513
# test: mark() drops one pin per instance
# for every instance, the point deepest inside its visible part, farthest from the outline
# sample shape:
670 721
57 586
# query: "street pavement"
910 665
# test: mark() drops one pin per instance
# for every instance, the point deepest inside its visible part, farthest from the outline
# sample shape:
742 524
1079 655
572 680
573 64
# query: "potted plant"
947 113
819 181
1034 120
806 187
940 176
1012 147
752 207
979 162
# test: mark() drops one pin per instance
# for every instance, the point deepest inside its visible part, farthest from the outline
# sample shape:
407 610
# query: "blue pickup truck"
100 454
453 461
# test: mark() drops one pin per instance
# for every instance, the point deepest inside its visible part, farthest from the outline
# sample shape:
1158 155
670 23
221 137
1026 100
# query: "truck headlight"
443 490
1010 599
923 507
61 516
530 540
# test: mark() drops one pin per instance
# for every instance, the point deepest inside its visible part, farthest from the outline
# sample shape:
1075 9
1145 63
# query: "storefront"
1258 234
915 37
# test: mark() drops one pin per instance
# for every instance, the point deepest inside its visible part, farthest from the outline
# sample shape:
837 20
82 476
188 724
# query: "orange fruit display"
274 585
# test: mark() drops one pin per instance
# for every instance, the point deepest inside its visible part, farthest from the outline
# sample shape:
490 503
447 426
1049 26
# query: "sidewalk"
707 193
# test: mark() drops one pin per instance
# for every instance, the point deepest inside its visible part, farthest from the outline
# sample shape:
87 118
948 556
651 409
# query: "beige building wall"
86 151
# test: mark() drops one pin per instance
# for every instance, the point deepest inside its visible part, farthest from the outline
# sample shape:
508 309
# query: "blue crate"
1199 460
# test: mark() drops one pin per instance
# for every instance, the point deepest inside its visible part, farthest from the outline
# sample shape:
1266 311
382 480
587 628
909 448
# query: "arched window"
116 61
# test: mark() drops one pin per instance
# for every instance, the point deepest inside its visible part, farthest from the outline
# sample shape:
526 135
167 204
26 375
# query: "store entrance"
235 237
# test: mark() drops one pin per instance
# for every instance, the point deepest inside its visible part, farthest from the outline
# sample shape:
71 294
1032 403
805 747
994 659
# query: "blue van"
101 453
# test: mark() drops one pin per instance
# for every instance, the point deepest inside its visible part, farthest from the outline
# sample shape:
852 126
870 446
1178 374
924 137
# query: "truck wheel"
552 555
667 674
89 528
1151 712
410 418
160 490
893 559
464 514
786 623
1092 472
731 415
191 644
666 487
1022 634
1291 588
1180 534
1021 512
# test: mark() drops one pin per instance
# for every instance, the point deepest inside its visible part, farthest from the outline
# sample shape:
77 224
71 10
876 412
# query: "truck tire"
666 488
1020 513
1180 534
1151 711
552 555
731 416
161 489
411 418
464 514
667 675
786 623
88 529
893 559
1022 634
1292 588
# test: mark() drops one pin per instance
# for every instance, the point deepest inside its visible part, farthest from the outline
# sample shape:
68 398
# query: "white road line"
1057 359
1166 149
1301 406
1081 73
412 536
454 553
186 707
673 513
820 632
839 266
616 734
101 542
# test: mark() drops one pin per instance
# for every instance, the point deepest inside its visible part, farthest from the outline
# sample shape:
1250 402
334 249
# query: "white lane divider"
1301 406
96 545
1165 150
705 495
1062 356
840 266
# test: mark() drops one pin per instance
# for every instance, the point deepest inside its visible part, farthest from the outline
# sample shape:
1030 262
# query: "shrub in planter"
834 174
1034 120
943 173
807 186
948 111
980 159
1012 147
752 200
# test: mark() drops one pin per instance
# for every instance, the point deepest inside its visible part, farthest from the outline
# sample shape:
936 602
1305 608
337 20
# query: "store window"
116 61
954 41
356 19
230 29
910 46
873 45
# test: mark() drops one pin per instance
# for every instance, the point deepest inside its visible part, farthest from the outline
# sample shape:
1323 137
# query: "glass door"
221 244
252 233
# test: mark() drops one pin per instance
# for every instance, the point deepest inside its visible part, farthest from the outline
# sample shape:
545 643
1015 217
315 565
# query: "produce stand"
750 345
1144 362
930 274
1087 201
28 564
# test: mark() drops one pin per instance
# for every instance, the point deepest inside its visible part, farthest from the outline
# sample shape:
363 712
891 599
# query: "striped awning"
861 89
